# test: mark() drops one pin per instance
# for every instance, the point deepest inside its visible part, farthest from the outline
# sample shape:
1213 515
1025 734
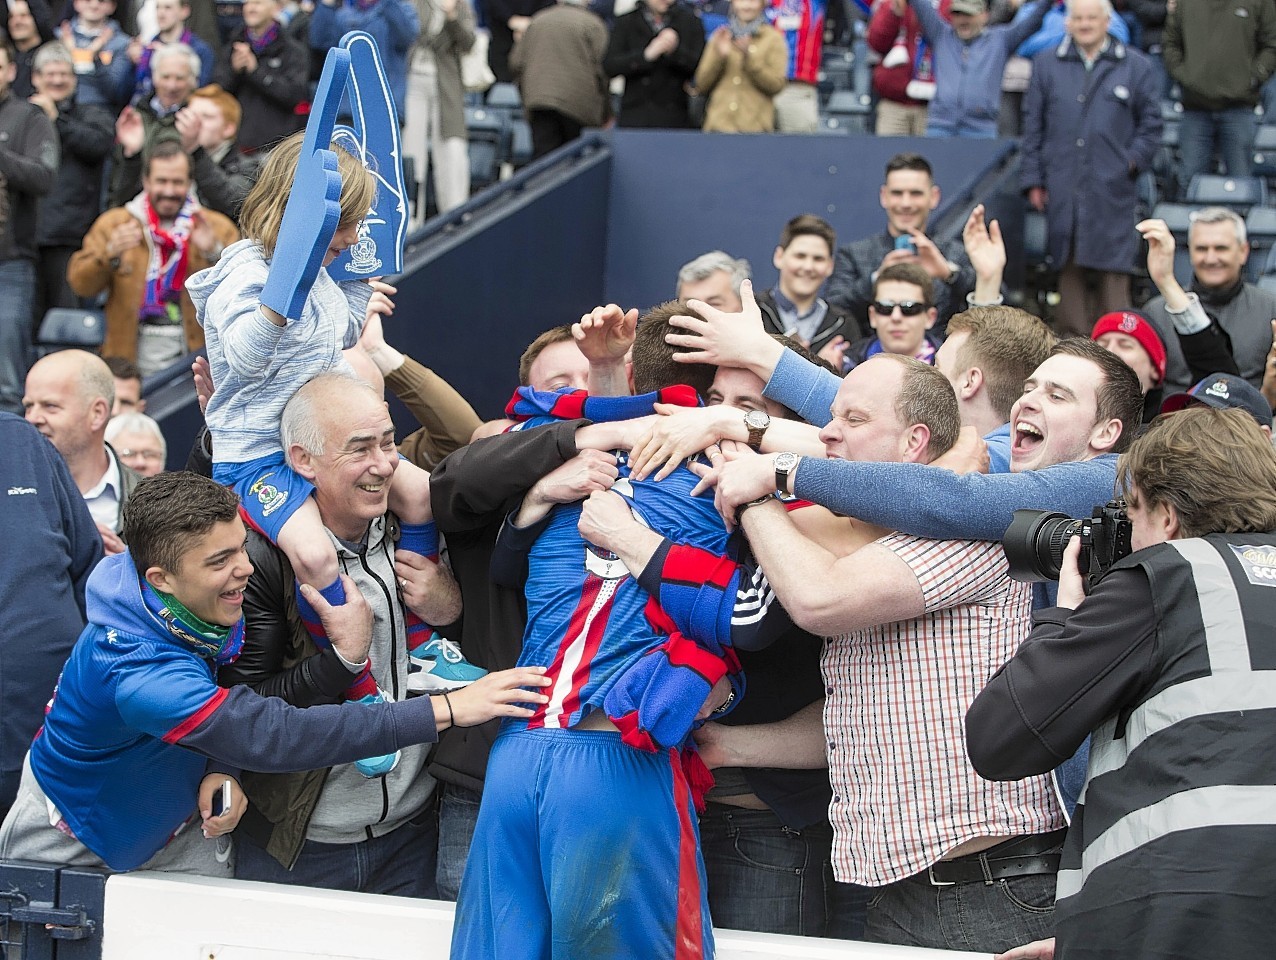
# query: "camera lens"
1035 541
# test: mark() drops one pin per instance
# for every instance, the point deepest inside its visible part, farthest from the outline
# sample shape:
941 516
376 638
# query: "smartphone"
905 242
221 799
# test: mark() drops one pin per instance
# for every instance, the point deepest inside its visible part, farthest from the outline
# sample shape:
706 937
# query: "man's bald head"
307 416
69 395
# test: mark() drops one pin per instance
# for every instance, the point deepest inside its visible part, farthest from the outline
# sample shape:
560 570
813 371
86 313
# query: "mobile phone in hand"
905 242
221 799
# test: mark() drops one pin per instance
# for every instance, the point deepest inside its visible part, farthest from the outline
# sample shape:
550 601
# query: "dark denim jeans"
1230 133
17 292
458 812
978 917
765 877
400 864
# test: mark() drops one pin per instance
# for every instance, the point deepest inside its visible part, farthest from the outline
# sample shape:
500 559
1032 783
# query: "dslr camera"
1035 541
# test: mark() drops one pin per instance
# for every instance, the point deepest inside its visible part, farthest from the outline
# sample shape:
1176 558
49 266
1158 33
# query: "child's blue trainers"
438 665
377 766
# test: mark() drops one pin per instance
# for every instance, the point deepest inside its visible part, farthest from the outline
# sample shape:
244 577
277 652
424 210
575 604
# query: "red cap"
1136 326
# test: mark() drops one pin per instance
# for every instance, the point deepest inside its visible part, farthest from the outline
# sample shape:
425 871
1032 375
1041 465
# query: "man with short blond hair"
68 398
989 353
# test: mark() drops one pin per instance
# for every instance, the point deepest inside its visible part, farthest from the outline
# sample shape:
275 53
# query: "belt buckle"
930 875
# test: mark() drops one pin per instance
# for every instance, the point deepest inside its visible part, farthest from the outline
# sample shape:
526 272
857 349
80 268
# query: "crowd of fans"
858 617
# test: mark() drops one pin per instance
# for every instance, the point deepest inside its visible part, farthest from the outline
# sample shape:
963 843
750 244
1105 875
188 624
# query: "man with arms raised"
945 851
1078 410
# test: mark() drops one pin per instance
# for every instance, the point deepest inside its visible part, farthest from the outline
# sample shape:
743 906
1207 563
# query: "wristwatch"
739 511
756 421
785 464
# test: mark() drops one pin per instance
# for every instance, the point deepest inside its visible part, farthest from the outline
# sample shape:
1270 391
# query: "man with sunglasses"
902 314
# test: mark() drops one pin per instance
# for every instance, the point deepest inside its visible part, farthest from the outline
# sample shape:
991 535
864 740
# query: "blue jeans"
17 292
458 812
978 917
400 864
765 877
1230 133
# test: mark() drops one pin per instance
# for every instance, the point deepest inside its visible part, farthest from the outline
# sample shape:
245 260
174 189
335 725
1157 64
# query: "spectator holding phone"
908 196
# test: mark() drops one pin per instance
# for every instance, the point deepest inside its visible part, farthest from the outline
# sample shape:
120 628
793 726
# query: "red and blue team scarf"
268 36
145 85
169 262
529 404
209 641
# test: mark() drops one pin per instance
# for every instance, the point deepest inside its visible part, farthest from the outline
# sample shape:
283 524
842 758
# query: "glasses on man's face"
148 455
909 308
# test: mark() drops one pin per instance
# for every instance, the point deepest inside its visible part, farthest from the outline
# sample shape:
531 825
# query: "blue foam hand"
374 139
314 203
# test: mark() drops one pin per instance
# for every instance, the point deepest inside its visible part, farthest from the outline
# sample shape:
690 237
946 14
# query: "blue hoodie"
137 717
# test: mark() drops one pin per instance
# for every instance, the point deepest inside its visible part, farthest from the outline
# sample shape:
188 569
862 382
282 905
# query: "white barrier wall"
153 916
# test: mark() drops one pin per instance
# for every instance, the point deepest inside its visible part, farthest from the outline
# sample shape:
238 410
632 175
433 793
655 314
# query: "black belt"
1033 855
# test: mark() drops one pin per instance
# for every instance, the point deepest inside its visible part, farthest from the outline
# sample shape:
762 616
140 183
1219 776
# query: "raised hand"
984 246
203 237
202 374
726 339
605 334
129 132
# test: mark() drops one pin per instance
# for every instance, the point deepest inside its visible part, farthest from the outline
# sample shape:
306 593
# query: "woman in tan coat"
742 68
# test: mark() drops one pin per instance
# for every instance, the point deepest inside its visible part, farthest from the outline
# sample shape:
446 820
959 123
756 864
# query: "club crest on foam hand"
373 138
363 254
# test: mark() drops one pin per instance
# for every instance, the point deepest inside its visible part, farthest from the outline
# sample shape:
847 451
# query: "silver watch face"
785 462
757 419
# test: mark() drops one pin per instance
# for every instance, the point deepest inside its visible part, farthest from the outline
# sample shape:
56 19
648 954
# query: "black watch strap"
739 511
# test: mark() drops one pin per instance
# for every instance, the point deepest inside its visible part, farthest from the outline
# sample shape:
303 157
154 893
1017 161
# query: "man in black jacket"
29 166
908 196
656 48
794 307
266 70
87 133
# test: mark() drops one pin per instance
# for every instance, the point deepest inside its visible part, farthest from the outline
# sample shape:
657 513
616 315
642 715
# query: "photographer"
1168 663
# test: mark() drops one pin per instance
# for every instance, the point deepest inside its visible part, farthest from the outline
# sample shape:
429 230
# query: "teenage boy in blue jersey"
139 739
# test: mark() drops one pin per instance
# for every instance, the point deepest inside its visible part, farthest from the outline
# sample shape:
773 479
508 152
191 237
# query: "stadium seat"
489 135
1267 282
520 141
504 96
851 109
70 328
834 125
1260 225
485 164
1178 217
1269 265
1240 193
1035 243
1265 150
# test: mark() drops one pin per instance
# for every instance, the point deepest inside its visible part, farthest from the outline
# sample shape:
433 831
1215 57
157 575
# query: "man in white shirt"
69 395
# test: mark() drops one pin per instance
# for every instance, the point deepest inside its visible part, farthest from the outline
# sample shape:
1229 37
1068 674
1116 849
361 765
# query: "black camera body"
1035 541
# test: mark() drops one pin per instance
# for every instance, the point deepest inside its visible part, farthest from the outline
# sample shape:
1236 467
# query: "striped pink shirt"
904 792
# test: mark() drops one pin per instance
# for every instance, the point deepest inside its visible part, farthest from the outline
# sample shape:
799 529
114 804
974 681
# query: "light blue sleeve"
936 503
803 387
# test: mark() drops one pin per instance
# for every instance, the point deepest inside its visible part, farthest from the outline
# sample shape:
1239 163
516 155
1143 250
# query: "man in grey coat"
1092 124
